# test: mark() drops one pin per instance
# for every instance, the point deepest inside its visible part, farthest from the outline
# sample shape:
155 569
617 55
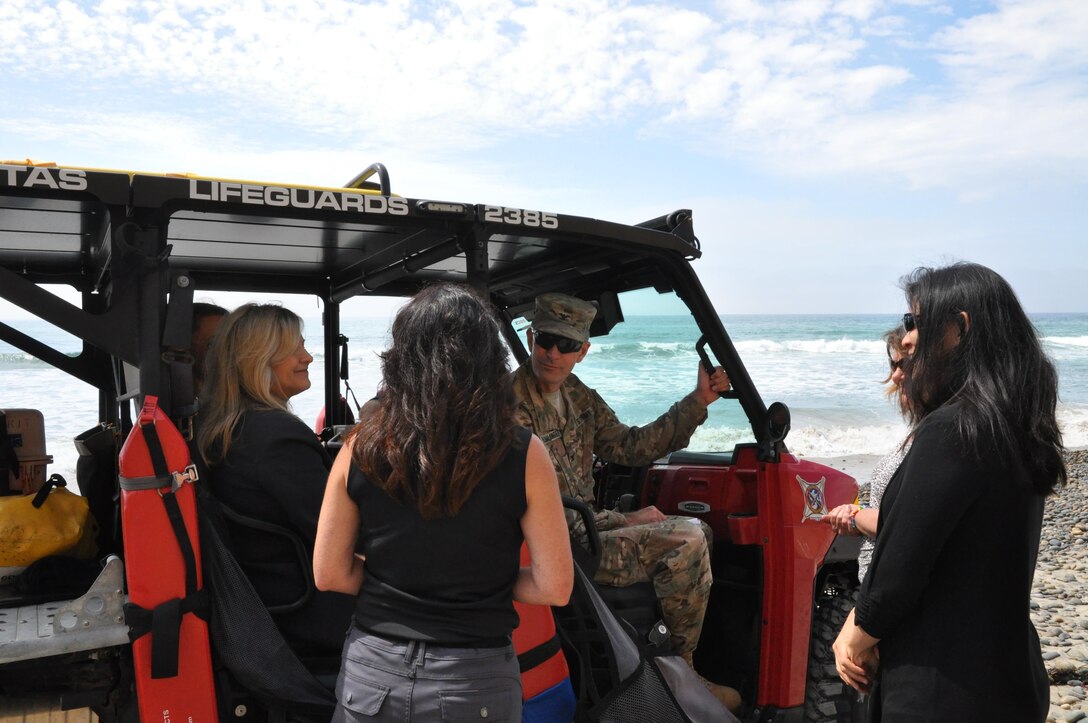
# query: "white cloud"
806 86
1024 42
971 144
1009 101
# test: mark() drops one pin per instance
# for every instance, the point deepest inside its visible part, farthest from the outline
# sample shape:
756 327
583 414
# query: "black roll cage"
132 243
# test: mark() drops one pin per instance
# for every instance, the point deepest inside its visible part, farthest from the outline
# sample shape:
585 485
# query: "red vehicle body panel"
779 507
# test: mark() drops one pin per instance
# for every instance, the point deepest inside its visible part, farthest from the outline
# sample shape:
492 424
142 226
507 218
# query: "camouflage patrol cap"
563 315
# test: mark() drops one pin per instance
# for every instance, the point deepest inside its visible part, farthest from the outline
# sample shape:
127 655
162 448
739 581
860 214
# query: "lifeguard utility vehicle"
137 247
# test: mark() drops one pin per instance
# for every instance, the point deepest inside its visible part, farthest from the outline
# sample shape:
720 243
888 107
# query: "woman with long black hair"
941 629
441 487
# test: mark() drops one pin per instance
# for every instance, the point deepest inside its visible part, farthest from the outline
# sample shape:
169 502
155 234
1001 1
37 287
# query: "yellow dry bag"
52 522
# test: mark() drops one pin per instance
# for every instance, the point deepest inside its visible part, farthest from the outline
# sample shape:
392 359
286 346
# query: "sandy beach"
858 466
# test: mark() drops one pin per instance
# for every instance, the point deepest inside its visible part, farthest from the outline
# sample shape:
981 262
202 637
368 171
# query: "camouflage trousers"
674 555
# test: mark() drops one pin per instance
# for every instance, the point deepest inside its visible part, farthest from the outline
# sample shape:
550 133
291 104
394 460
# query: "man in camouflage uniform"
576 424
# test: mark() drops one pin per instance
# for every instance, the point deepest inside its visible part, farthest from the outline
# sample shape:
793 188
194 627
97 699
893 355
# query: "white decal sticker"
70 179
73 180
278 196
815 501
520 217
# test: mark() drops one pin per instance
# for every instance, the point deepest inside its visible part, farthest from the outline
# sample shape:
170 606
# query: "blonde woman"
267 464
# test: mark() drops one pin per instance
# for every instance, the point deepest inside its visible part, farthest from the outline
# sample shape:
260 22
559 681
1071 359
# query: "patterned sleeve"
635 446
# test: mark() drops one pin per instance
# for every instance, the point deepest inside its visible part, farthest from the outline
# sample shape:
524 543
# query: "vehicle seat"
636 605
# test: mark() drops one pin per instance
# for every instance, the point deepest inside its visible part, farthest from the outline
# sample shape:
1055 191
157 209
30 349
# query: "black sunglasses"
896 363
546 341
910 321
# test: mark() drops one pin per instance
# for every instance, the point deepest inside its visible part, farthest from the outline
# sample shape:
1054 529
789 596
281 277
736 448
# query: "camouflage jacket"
591 428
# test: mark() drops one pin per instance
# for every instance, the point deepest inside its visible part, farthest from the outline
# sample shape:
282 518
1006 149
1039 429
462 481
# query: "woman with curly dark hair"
947 595
441 487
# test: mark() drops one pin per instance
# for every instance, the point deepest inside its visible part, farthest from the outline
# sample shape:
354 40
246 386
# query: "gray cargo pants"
414 682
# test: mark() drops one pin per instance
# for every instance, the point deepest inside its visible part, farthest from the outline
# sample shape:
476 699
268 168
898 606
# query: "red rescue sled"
168 606
546 692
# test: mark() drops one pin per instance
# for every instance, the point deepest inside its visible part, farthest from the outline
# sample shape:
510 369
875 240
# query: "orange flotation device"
168 605
540 655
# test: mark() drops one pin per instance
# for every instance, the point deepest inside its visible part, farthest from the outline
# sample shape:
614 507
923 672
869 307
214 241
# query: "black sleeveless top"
447 580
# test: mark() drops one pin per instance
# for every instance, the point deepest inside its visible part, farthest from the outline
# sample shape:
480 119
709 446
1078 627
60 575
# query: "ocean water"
827 368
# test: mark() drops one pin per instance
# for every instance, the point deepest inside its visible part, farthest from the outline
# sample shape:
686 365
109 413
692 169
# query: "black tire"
121 705
827 698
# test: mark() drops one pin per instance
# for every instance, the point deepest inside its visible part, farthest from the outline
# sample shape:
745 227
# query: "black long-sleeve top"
275 471
948 592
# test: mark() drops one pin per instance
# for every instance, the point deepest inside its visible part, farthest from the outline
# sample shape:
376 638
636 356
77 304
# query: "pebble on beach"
1059 595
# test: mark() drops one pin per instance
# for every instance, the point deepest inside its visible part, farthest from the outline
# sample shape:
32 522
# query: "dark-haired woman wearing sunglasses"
863 519
947 596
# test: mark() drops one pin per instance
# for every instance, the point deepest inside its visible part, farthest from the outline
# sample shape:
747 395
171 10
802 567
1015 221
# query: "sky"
825 147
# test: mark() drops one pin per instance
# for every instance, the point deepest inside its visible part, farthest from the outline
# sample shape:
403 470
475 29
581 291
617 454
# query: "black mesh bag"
244 636
615 681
